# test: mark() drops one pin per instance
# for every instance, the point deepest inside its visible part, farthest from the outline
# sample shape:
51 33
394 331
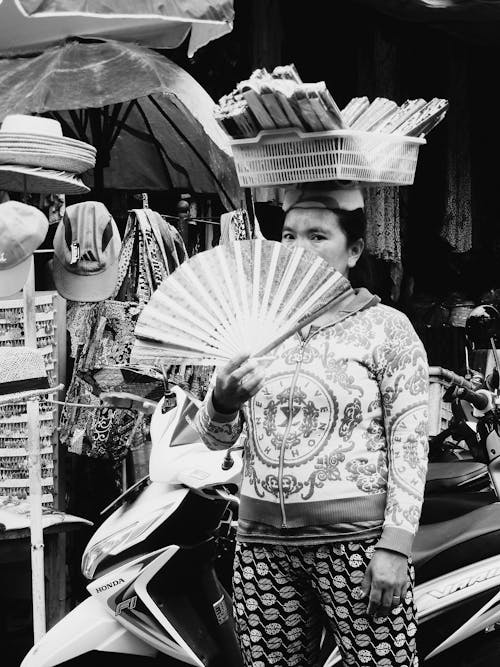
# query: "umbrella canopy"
29 25
151 122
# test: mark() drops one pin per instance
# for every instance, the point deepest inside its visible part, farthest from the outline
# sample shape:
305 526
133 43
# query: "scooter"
157 562
455 462
457 563
155 597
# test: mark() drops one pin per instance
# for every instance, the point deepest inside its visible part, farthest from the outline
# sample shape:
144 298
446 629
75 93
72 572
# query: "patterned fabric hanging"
457 226
378 75
383 234
80 319
151 249
235 226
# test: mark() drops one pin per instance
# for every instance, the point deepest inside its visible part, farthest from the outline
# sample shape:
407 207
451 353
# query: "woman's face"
319 230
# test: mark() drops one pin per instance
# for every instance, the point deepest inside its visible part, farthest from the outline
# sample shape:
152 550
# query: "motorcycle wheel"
480 651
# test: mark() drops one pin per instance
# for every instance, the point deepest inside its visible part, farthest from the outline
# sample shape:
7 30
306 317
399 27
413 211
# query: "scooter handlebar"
450 376
480 399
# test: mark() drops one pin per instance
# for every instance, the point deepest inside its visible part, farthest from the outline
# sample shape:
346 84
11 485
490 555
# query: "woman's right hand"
236 383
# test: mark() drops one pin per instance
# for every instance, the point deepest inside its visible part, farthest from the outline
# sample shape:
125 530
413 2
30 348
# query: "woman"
334 465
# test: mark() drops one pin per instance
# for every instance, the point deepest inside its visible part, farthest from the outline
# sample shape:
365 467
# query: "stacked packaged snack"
280 99
414 118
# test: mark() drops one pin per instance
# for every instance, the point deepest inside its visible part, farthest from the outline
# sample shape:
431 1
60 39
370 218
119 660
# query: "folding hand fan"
246 296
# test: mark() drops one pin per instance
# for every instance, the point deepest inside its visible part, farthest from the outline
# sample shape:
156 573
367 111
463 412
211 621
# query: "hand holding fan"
247 296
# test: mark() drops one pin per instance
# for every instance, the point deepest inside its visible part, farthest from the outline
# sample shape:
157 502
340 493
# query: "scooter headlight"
123 539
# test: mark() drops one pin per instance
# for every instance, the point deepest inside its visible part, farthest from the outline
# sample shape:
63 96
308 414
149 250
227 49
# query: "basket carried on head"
288 156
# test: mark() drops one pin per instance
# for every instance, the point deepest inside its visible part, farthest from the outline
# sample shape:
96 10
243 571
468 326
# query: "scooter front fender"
89 627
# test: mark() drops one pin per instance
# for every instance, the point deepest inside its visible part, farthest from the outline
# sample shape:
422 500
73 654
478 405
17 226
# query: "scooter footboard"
89 627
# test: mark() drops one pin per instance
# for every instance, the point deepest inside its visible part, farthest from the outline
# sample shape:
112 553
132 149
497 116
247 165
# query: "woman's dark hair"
353 224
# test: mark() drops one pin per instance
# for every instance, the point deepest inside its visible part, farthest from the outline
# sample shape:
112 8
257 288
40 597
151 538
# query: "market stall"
34 151
160 116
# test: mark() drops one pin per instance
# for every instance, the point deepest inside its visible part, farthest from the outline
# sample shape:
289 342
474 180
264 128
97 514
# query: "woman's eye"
317 237
287 237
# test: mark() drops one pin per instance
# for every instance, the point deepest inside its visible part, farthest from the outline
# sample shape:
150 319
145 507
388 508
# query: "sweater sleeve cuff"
396 539
220 417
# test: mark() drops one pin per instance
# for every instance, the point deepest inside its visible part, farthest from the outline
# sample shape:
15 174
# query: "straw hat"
23 375
36 157
30 179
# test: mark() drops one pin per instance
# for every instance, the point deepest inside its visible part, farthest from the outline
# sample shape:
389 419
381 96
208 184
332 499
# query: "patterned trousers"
284 595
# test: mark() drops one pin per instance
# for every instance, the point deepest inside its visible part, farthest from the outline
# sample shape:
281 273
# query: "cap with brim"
38 180
76 287
13 280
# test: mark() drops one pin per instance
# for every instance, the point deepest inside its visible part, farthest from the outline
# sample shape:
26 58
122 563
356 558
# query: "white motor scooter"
154 590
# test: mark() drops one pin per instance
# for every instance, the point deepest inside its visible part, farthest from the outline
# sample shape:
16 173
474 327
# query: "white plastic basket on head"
284 157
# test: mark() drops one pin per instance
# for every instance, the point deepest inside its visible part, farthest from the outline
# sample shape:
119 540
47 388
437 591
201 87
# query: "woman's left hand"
385 581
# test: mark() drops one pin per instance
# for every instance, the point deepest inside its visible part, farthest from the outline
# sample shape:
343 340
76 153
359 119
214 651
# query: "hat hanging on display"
36 157
37 180
327 195
23 229
23 375
86 250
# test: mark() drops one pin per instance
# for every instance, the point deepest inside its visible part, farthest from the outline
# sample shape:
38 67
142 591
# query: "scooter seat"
444 506
455 475
445 546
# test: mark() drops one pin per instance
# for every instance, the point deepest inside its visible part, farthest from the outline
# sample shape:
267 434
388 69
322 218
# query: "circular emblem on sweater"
293 427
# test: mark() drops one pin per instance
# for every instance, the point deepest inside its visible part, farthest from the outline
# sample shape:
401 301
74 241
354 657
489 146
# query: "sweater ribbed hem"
321 515
309 535
339 510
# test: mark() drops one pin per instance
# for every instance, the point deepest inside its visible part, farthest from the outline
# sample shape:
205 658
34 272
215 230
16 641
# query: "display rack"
14 464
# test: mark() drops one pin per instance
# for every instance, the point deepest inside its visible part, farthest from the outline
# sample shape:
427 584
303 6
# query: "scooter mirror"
481 326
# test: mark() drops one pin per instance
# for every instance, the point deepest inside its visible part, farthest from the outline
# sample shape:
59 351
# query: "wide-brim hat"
23 375
33 141
17 178
48 157
21 396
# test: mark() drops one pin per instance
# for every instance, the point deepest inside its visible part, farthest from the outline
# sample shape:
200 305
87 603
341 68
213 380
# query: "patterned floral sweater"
336 441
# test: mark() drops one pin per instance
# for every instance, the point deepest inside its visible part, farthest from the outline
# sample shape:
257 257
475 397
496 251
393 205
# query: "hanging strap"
153 246
126 252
